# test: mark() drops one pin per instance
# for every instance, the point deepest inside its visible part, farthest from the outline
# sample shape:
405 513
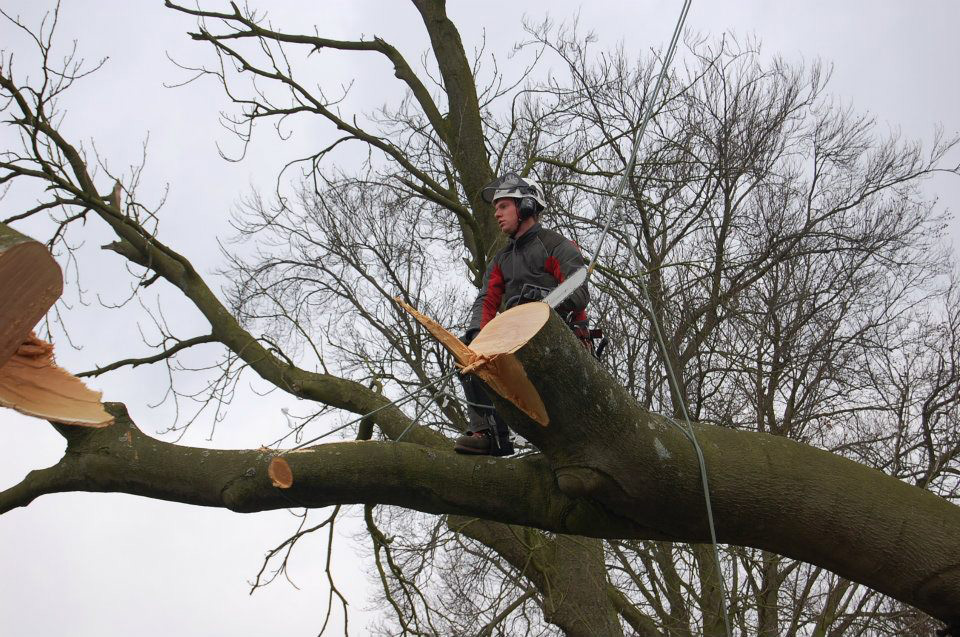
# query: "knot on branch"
578 482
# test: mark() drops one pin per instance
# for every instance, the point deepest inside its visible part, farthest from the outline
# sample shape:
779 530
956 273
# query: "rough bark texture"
569 573
121 458
768 492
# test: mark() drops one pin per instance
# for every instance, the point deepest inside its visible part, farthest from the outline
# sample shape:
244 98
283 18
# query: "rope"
420 412
648 106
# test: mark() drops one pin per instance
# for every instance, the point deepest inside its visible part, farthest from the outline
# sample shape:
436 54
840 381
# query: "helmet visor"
509 185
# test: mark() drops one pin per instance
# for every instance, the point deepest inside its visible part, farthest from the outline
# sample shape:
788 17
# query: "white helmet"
525 189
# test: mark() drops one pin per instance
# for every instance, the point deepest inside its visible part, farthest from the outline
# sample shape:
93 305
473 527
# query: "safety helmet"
525 189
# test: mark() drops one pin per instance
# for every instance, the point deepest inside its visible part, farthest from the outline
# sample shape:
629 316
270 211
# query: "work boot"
482 443
474 443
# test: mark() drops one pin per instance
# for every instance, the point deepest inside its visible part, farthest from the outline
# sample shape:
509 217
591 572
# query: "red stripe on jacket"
552 266
491 302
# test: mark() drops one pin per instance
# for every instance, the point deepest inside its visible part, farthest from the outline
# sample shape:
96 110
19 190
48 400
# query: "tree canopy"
810 308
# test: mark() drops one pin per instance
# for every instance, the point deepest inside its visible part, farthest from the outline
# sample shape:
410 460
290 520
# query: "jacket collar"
525 237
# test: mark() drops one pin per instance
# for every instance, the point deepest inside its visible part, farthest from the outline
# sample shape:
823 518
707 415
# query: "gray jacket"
540 257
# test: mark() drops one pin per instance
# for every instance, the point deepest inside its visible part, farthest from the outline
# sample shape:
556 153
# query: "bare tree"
791 259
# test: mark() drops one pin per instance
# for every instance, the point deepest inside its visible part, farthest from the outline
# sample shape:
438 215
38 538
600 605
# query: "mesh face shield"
513 185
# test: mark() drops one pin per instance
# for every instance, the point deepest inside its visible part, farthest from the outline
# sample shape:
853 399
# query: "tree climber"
534 261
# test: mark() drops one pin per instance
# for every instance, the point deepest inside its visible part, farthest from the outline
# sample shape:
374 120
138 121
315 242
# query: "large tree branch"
141 247
568 572
121 458
467 142
767 492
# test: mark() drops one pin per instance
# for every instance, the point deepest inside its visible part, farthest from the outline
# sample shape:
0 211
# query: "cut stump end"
490 355
280 473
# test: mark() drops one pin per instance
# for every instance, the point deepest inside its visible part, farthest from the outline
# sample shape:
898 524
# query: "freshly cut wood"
280 473
511 330
461 353
30 283
31 383
497 342
490 355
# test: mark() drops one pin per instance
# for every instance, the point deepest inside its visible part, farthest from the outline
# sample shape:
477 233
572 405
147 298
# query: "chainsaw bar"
565 289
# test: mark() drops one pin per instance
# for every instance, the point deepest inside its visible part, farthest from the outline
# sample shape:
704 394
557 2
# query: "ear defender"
528 207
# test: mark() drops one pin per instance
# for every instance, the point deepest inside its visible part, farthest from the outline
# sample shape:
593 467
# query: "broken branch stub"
280 474
490 354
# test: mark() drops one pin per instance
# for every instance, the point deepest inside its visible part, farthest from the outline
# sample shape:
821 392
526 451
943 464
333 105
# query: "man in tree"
534 261
787 247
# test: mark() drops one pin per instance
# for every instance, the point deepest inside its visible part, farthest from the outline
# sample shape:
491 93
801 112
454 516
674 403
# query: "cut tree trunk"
767 492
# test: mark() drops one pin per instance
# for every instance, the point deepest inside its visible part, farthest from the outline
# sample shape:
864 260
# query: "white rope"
648 106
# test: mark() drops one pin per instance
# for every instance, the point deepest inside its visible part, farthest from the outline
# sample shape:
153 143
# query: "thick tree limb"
568 572
642 624
467 143
768 492
141 247
121 458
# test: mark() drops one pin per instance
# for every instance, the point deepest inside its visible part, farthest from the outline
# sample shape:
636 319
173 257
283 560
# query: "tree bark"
569 573
768 492
465 136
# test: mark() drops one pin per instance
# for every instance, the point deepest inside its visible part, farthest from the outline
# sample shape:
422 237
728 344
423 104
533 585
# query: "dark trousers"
480 411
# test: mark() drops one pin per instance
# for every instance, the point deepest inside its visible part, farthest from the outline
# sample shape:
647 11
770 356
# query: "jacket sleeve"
564 261
487 303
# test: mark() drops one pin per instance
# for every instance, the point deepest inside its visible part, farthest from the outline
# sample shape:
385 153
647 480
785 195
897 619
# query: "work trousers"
480 409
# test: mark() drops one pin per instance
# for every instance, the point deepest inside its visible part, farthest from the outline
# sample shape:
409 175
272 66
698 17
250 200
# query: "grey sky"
90 564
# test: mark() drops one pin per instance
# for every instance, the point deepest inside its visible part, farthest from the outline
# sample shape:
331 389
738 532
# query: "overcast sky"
93 564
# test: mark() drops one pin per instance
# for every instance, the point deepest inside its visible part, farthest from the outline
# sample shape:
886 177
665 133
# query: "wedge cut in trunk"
490 355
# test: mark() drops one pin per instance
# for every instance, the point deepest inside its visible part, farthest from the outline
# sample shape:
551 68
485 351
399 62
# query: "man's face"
508 217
